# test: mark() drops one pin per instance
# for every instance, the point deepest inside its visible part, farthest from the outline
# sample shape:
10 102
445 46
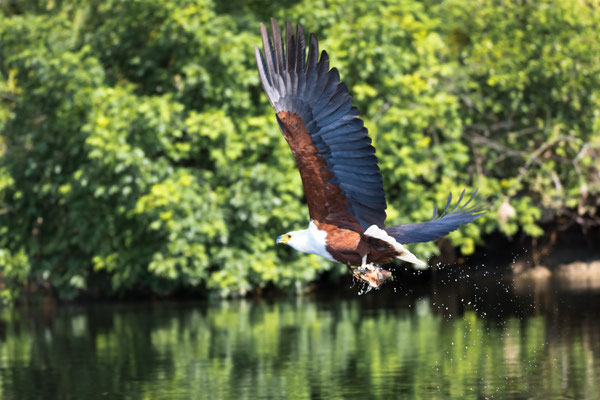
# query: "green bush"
139 151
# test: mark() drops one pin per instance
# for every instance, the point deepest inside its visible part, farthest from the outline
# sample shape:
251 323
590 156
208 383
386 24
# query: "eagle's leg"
364 262
371 273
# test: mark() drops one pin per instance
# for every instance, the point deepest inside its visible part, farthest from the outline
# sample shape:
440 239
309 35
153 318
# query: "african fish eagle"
337 163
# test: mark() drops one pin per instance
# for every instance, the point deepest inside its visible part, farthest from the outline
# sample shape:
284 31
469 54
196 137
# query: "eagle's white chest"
312 241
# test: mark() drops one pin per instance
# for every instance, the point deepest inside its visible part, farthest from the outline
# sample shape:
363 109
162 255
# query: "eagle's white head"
310 240
295 239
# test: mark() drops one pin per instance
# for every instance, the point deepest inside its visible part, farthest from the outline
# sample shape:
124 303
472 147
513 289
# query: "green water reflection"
361 347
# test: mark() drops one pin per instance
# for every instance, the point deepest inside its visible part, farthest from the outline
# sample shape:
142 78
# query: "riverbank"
568 258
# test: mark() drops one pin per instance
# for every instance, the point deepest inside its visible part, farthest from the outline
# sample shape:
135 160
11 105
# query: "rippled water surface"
463 340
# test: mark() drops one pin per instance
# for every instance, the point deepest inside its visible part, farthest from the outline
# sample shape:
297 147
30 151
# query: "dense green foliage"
140 152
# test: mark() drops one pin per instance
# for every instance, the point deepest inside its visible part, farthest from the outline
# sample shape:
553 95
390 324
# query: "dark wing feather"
438 227
307 88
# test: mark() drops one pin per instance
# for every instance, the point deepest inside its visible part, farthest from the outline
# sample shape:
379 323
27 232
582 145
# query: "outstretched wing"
333 152
438 227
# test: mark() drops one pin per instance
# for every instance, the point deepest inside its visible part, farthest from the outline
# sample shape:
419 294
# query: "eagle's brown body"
340 175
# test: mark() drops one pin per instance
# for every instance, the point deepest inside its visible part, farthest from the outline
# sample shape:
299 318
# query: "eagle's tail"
438 227
402 253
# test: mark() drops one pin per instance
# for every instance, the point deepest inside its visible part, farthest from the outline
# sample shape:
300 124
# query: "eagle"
337 163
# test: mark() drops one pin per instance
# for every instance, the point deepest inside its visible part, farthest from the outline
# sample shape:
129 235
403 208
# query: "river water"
455 339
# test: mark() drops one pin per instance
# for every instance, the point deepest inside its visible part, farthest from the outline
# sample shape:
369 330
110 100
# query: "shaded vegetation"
140 153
